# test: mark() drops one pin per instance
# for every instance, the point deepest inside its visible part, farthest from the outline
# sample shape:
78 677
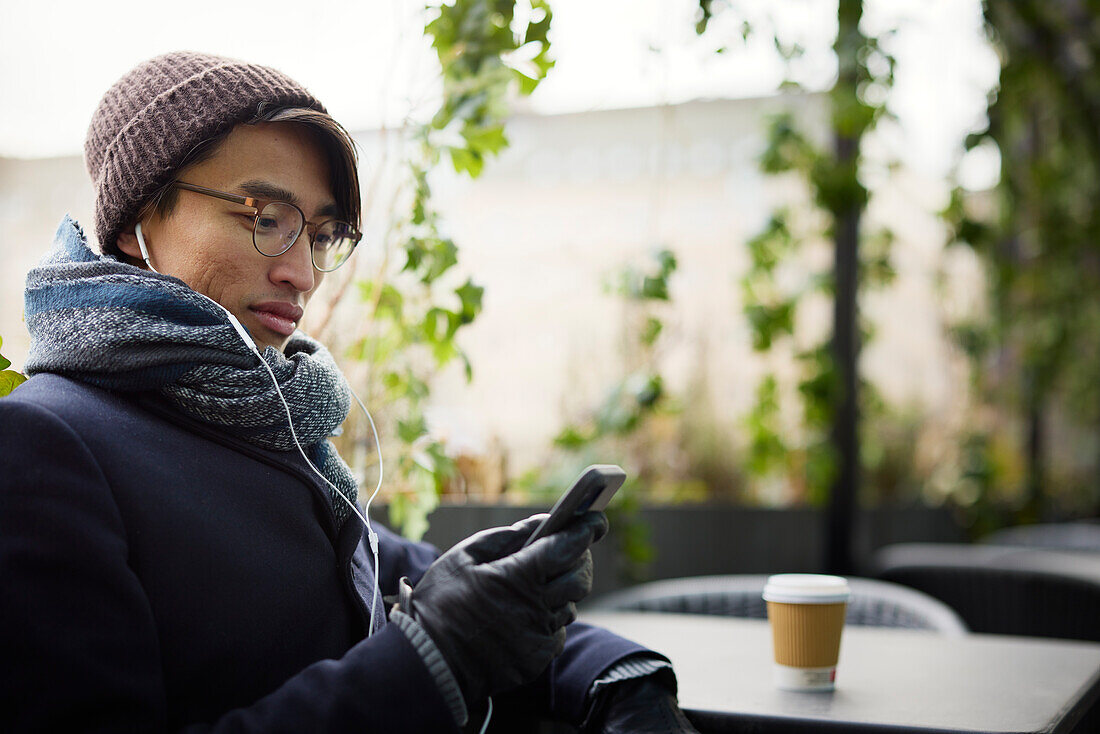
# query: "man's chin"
279 345
264 337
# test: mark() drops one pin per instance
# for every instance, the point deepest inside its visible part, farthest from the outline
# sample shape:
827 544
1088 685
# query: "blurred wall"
575 197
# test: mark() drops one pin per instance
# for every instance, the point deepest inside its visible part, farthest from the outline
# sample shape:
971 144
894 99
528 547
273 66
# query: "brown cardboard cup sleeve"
806 612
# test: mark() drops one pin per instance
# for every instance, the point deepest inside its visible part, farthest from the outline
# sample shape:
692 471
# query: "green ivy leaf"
467 367
704 16
9 380
651 331
666 261
769 322
488 139
836 185
427 499
543 63
655 288
787 148
767 450
619 414
647 390
466 161
527 84
415 252
390 300
572 438
444 352
440 325
444 256
974 339
538 30
411 429
768 248
470 296
820 388
392 381
405 384
973 140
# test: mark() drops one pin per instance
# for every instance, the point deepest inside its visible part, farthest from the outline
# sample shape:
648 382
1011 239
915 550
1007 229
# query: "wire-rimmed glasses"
277 225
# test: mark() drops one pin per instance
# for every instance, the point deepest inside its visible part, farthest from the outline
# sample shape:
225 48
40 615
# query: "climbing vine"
639 393
1034 353
614 430
489 51
808 458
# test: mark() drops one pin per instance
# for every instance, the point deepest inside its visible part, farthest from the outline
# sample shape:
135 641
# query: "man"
174 556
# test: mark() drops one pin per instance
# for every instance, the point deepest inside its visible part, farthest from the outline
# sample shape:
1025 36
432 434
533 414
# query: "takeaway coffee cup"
806 612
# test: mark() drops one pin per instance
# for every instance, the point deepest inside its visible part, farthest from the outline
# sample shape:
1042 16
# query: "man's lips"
279 316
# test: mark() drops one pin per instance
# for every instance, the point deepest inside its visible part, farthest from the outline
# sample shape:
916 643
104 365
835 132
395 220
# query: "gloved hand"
640 706
498 613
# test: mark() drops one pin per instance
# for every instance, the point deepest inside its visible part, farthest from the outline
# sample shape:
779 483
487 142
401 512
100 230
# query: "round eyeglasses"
277 225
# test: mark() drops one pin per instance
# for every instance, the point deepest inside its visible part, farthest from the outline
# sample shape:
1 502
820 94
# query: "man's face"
207 242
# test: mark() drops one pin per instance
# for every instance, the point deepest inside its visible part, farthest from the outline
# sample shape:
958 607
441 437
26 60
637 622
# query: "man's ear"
127 242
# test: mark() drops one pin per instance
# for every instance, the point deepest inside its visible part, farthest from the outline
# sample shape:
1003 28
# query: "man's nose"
295 266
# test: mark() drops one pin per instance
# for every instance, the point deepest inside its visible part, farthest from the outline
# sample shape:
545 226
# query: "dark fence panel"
694 540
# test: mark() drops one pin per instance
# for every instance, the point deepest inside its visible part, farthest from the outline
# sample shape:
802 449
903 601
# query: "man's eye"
267 224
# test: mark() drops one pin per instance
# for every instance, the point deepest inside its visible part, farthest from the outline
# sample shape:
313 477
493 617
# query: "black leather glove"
639 706
498 613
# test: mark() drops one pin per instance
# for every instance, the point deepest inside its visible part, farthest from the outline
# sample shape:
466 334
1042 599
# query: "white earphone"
363 515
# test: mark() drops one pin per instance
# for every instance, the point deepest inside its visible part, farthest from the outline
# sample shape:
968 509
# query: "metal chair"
872 603
1003 589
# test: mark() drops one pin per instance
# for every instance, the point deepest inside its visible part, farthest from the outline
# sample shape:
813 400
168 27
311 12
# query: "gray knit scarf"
116 326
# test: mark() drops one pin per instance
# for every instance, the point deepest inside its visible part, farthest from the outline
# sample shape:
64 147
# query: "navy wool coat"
157 574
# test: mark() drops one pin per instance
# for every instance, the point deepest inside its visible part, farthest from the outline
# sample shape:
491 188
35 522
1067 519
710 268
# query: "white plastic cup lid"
806 588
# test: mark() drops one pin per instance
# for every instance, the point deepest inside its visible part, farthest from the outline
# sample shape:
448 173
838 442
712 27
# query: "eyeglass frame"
259 205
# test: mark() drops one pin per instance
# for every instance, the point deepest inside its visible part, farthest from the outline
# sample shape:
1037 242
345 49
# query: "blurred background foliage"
1029 447
1032 445
1033 351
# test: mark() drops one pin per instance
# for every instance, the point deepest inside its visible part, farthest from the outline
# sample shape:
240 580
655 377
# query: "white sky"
369 63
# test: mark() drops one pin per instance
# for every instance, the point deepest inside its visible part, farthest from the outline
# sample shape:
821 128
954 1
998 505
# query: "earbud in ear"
143 248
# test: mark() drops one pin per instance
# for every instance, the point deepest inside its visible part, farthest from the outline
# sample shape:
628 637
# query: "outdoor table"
888 679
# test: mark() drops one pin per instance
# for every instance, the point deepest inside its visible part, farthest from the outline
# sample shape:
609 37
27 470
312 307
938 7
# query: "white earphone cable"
372 537
488 717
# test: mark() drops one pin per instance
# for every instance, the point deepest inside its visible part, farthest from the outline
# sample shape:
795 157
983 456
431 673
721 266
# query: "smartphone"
593 489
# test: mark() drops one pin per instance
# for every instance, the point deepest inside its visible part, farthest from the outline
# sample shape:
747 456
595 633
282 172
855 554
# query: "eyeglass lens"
279 224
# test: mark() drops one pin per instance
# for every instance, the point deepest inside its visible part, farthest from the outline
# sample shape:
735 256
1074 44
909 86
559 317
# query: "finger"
528 525
494 543
564 615
546 621
602 527
571 586
556 554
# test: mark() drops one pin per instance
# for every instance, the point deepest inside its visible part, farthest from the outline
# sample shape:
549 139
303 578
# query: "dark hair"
334 139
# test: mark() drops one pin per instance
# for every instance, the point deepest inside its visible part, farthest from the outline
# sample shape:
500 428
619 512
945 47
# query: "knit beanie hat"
157 113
